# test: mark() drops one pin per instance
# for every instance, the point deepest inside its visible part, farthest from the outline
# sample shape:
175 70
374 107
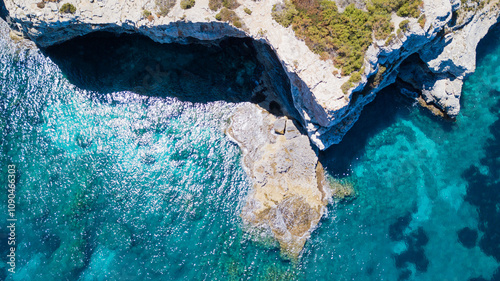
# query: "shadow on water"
228 70
3 11
384 110
488 44
380 114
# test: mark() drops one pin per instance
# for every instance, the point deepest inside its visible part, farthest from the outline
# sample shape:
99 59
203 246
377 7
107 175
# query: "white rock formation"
326 112
290 193
453 57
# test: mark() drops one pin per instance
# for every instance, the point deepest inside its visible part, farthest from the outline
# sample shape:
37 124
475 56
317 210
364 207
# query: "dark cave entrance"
230 69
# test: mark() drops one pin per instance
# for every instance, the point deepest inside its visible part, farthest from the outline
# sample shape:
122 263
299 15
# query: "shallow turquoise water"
121 186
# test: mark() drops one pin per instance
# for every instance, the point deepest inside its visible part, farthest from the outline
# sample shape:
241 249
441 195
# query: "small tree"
67 8
187 4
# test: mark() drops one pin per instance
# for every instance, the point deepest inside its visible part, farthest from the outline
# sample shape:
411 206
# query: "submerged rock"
341 190
467 237
289 192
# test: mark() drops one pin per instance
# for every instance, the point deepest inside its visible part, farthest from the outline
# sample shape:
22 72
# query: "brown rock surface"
289 196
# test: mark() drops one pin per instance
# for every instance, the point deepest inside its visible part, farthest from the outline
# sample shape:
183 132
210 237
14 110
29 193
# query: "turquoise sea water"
122 186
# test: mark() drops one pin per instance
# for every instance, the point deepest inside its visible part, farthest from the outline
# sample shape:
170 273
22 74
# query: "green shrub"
284 14
248 11
230 4
345 36
422 21
164 6
261 32
378 77
306 5
346 86
403 8
404 25
410 9
67 8
382 26
389 39
187 4
230 16
400 34
146 13
215 5
237 23
355 78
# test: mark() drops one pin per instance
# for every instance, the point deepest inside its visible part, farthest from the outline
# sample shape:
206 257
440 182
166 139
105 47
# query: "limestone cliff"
445 45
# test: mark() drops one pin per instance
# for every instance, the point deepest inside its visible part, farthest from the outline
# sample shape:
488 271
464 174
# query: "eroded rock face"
446 47
289 193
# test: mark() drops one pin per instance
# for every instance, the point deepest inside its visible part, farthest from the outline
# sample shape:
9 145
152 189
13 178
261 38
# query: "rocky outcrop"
290 193
445 45
450 58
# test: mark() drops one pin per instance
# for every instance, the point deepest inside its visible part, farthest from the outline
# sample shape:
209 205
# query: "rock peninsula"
290 193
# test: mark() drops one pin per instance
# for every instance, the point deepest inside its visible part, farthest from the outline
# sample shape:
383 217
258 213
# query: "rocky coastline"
290 193
445 46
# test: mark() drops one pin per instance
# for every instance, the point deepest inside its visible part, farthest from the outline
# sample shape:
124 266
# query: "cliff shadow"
3 11
376 116
489 42
225 70
389 105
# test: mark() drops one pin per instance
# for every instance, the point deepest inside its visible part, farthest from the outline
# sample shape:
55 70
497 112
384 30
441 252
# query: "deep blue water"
114 185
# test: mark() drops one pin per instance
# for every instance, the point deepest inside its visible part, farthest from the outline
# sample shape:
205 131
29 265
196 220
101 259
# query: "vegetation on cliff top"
215 5
147 14
343 37
187 4
229 16
468 7
41 5
67 8
164 6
